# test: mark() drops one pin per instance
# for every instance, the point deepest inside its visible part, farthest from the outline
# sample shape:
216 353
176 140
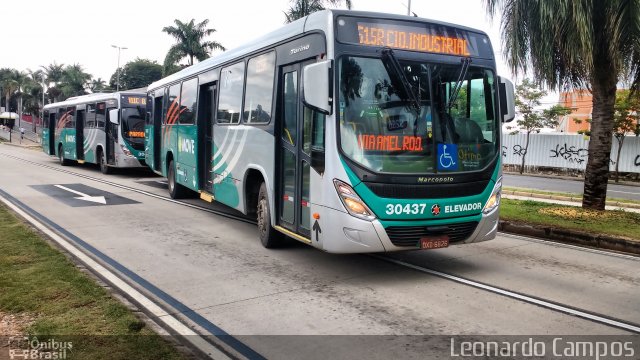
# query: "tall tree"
54 73
97 85
302 8
572 44
138 73
190 43
74 81
528 97
626 120
7 85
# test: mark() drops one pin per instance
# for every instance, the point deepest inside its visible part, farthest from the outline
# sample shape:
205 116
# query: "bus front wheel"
176 190
104 167
269 236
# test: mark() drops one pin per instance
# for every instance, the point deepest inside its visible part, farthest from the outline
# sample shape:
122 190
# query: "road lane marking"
575 247
83 196
526 298
59 235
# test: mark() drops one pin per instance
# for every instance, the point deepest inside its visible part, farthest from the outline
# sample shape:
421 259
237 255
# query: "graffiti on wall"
570 153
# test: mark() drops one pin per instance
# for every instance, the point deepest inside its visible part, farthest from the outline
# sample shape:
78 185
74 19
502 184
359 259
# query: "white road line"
531 300
144 301
624 192
575 247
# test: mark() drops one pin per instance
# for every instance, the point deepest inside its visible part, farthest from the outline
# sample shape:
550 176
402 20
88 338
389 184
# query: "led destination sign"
134 100
413 36
410 38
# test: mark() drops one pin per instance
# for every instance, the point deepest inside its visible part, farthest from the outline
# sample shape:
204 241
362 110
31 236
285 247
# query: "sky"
38 33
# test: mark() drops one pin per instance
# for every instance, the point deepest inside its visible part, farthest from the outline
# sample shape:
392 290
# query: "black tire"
269 236
63 161
176 191
102 161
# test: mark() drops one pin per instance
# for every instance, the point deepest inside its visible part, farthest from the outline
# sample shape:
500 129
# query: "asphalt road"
629 192
213 272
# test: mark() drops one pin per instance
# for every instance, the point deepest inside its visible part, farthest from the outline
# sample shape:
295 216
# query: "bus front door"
111 131
205 134
294 161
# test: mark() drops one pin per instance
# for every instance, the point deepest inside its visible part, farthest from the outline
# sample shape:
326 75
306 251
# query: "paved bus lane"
217 268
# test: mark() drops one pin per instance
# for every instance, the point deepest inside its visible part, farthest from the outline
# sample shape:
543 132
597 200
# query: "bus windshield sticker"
447 157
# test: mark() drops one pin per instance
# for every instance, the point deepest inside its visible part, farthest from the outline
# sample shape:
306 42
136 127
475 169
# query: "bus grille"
430 191
411 235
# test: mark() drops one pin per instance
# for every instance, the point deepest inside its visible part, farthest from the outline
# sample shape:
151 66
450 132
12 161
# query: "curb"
571 237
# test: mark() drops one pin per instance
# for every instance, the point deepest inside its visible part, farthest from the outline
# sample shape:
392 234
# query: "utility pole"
409 8
118 69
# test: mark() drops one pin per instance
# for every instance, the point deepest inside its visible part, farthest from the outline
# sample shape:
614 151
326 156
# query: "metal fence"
566 152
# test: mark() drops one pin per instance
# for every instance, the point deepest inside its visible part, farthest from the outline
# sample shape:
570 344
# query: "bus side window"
173 108
259 93
188 101
91 116
230 99
101 115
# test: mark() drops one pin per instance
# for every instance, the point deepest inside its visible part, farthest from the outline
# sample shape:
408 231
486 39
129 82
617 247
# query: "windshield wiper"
456 89
399 79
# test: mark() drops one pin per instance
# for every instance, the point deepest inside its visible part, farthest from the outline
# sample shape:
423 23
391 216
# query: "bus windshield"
408 117
133 126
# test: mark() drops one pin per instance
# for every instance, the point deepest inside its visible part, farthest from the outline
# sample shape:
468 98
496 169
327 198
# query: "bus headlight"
126 151
494 199
352 202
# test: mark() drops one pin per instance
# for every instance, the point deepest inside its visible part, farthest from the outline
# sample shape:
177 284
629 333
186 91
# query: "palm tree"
74 81
53 74
576 44
302 8
97 85
10 83
190 42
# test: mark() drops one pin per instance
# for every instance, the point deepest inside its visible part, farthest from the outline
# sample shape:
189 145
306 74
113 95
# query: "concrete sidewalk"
27 141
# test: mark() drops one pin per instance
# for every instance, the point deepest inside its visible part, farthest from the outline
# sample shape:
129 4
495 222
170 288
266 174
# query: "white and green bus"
104 129
349 131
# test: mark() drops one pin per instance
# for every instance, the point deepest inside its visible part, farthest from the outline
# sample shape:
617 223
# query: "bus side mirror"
316 86
113 116
507 99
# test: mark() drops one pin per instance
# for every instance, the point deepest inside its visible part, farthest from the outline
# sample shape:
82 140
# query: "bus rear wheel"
63 161
104 167
176 190
269 236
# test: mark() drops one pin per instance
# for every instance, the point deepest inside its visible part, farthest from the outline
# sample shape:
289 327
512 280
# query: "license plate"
434 242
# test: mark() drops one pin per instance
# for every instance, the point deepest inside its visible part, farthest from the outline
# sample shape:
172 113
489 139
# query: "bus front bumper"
349 234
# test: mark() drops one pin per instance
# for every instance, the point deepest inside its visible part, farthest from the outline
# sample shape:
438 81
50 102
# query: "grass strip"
65 302
609 222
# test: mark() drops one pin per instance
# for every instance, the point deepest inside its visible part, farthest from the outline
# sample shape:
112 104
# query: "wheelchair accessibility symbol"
447 157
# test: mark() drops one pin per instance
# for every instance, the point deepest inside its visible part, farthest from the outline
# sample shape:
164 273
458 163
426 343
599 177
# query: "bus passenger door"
206 105
292 185
80 119
51 136
111 134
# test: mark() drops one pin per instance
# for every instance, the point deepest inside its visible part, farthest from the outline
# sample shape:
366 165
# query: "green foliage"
74 81
613 223
190 43
40 281
137 74
528 97
302 8
626 118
